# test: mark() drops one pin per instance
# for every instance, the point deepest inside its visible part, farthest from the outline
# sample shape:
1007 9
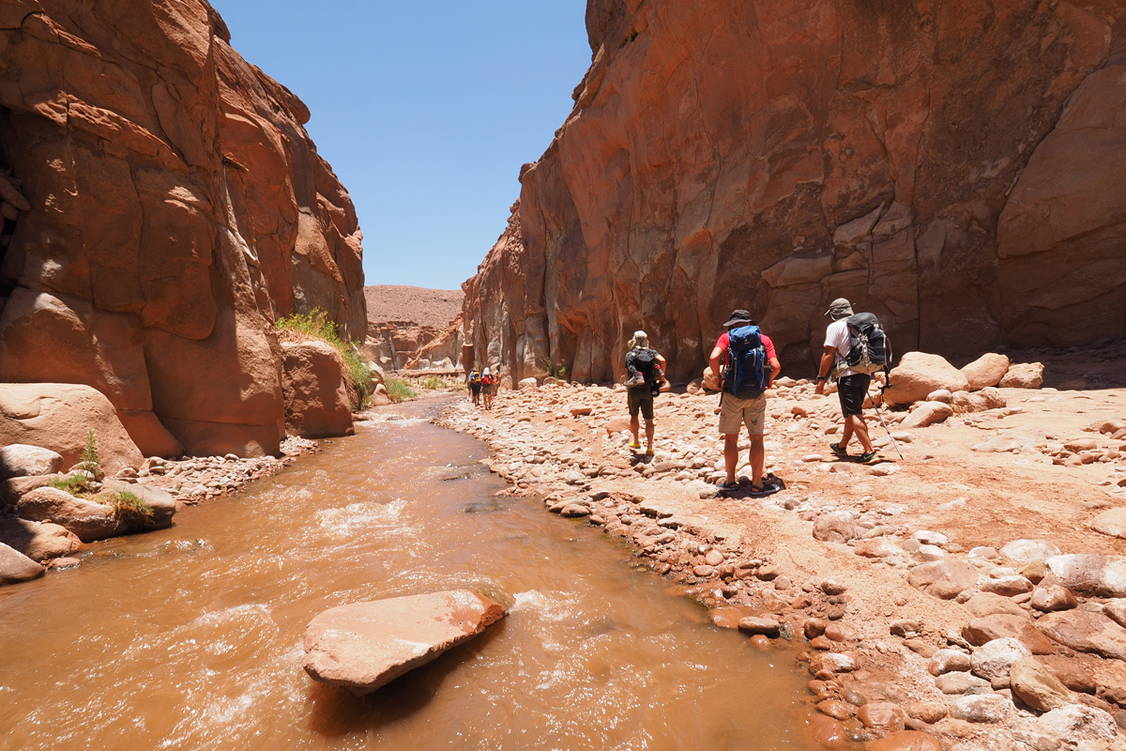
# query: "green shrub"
435 383
129 507
76 485
90 450
399 389
557 371
316 324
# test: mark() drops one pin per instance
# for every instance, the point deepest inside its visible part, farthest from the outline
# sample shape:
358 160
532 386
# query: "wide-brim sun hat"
739 316
839 308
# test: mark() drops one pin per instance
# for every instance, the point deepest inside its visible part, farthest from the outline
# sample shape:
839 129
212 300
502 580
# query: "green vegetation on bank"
439 383
317 325
128 506
399 389
82 483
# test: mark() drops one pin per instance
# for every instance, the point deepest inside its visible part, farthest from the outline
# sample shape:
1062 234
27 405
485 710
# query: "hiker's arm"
713 361
827 357
775 369
662 364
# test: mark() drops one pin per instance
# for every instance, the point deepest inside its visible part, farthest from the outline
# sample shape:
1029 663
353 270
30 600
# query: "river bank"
907 582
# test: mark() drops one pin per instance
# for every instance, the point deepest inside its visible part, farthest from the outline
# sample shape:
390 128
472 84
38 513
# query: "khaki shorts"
735 412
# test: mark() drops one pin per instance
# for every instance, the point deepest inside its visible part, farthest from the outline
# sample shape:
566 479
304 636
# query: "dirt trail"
951 500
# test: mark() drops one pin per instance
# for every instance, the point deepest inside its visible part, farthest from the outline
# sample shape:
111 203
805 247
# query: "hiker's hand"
820 390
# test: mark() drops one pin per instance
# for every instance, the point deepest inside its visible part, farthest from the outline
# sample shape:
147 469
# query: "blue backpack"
746 374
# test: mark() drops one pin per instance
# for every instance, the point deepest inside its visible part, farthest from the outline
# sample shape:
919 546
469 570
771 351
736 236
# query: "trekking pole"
880 417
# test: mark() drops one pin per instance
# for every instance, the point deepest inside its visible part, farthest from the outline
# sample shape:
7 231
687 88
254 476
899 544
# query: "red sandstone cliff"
171 207
954 166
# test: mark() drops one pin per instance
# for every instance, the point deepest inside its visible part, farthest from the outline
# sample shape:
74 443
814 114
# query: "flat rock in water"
366 645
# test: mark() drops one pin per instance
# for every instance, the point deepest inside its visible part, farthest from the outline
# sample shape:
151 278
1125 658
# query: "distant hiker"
473 383
750 366
488 387
645 369
855 348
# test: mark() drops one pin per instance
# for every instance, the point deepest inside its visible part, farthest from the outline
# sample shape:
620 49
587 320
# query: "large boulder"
987 370
927 413
39 541
1085 631
994 659
1037 686
86 519
1075 726
1091 574
57 415
365 645
17 567
1023 375
316 395
920 373
944 579
12 489
22 460
977 401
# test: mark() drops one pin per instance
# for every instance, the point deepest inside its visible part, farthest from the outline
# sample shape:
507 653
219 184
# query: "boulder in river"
365 645
17 567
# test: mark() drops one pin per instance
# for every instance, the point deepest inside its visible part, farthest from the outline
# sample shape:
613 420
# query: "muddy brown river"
189 638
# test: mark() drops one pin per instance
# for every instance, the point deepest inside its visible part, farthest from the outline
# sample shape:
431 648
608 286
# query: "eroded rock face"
366 645
172 208
729 155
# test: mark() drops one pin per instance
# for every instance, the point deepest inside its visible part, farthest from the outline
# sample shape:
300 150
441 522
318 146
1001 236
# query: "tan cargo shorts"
735 412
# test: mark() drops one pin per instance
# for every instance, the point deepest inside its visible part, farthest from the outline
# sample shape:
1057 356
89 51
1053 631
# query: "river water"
189 638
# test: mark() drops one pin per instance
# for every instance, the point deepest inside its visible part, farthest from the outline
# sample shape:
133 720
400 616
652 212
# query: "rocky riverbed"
971 594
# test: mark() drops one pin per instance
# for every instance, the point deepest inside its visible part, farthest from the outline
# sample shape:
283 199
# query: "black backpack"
869 350
641 362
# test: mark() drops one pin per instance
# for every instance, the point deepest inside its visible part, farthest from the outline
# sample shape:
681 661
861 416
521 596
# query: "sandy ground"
1031 470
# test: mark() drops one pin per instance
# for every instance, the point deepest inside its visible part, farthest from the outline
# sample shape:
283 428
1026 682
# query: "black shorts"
852 390
641 400
475 388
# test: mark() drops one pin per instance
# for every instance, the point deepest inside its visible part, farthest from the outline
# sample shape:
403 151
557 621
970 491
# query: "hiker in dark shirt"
645 368
750 366
473 383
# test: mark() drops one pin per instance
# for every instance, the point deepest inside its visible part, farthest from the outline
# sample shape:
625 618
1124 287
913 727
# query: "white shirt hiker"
836 335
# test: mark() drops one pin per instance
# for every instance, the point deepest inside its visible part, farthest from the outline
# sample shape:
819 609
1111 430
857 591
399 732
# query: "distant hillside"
427 307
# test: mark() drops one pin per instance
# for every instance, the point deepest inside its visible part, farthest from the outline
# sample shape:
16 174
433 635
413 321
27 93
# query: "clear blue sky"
426 110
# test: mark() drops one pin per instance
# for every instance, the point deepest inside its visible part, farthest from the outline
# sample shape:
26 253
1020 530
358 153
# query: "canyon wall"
163 206
954 166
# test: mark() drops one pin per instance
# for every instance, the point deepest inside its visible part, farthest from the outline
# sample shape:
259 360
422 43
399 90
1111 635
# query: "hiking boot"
868 458
634 444
649 452
839 450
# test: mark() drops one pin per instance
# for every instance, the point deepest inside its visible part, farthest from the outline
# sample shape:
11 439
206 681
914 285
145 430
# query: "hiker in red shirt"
750 366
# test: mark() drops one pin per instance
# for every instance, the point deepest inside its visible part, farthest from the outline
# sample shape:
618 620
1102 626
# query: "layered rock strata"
951 166
163 205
